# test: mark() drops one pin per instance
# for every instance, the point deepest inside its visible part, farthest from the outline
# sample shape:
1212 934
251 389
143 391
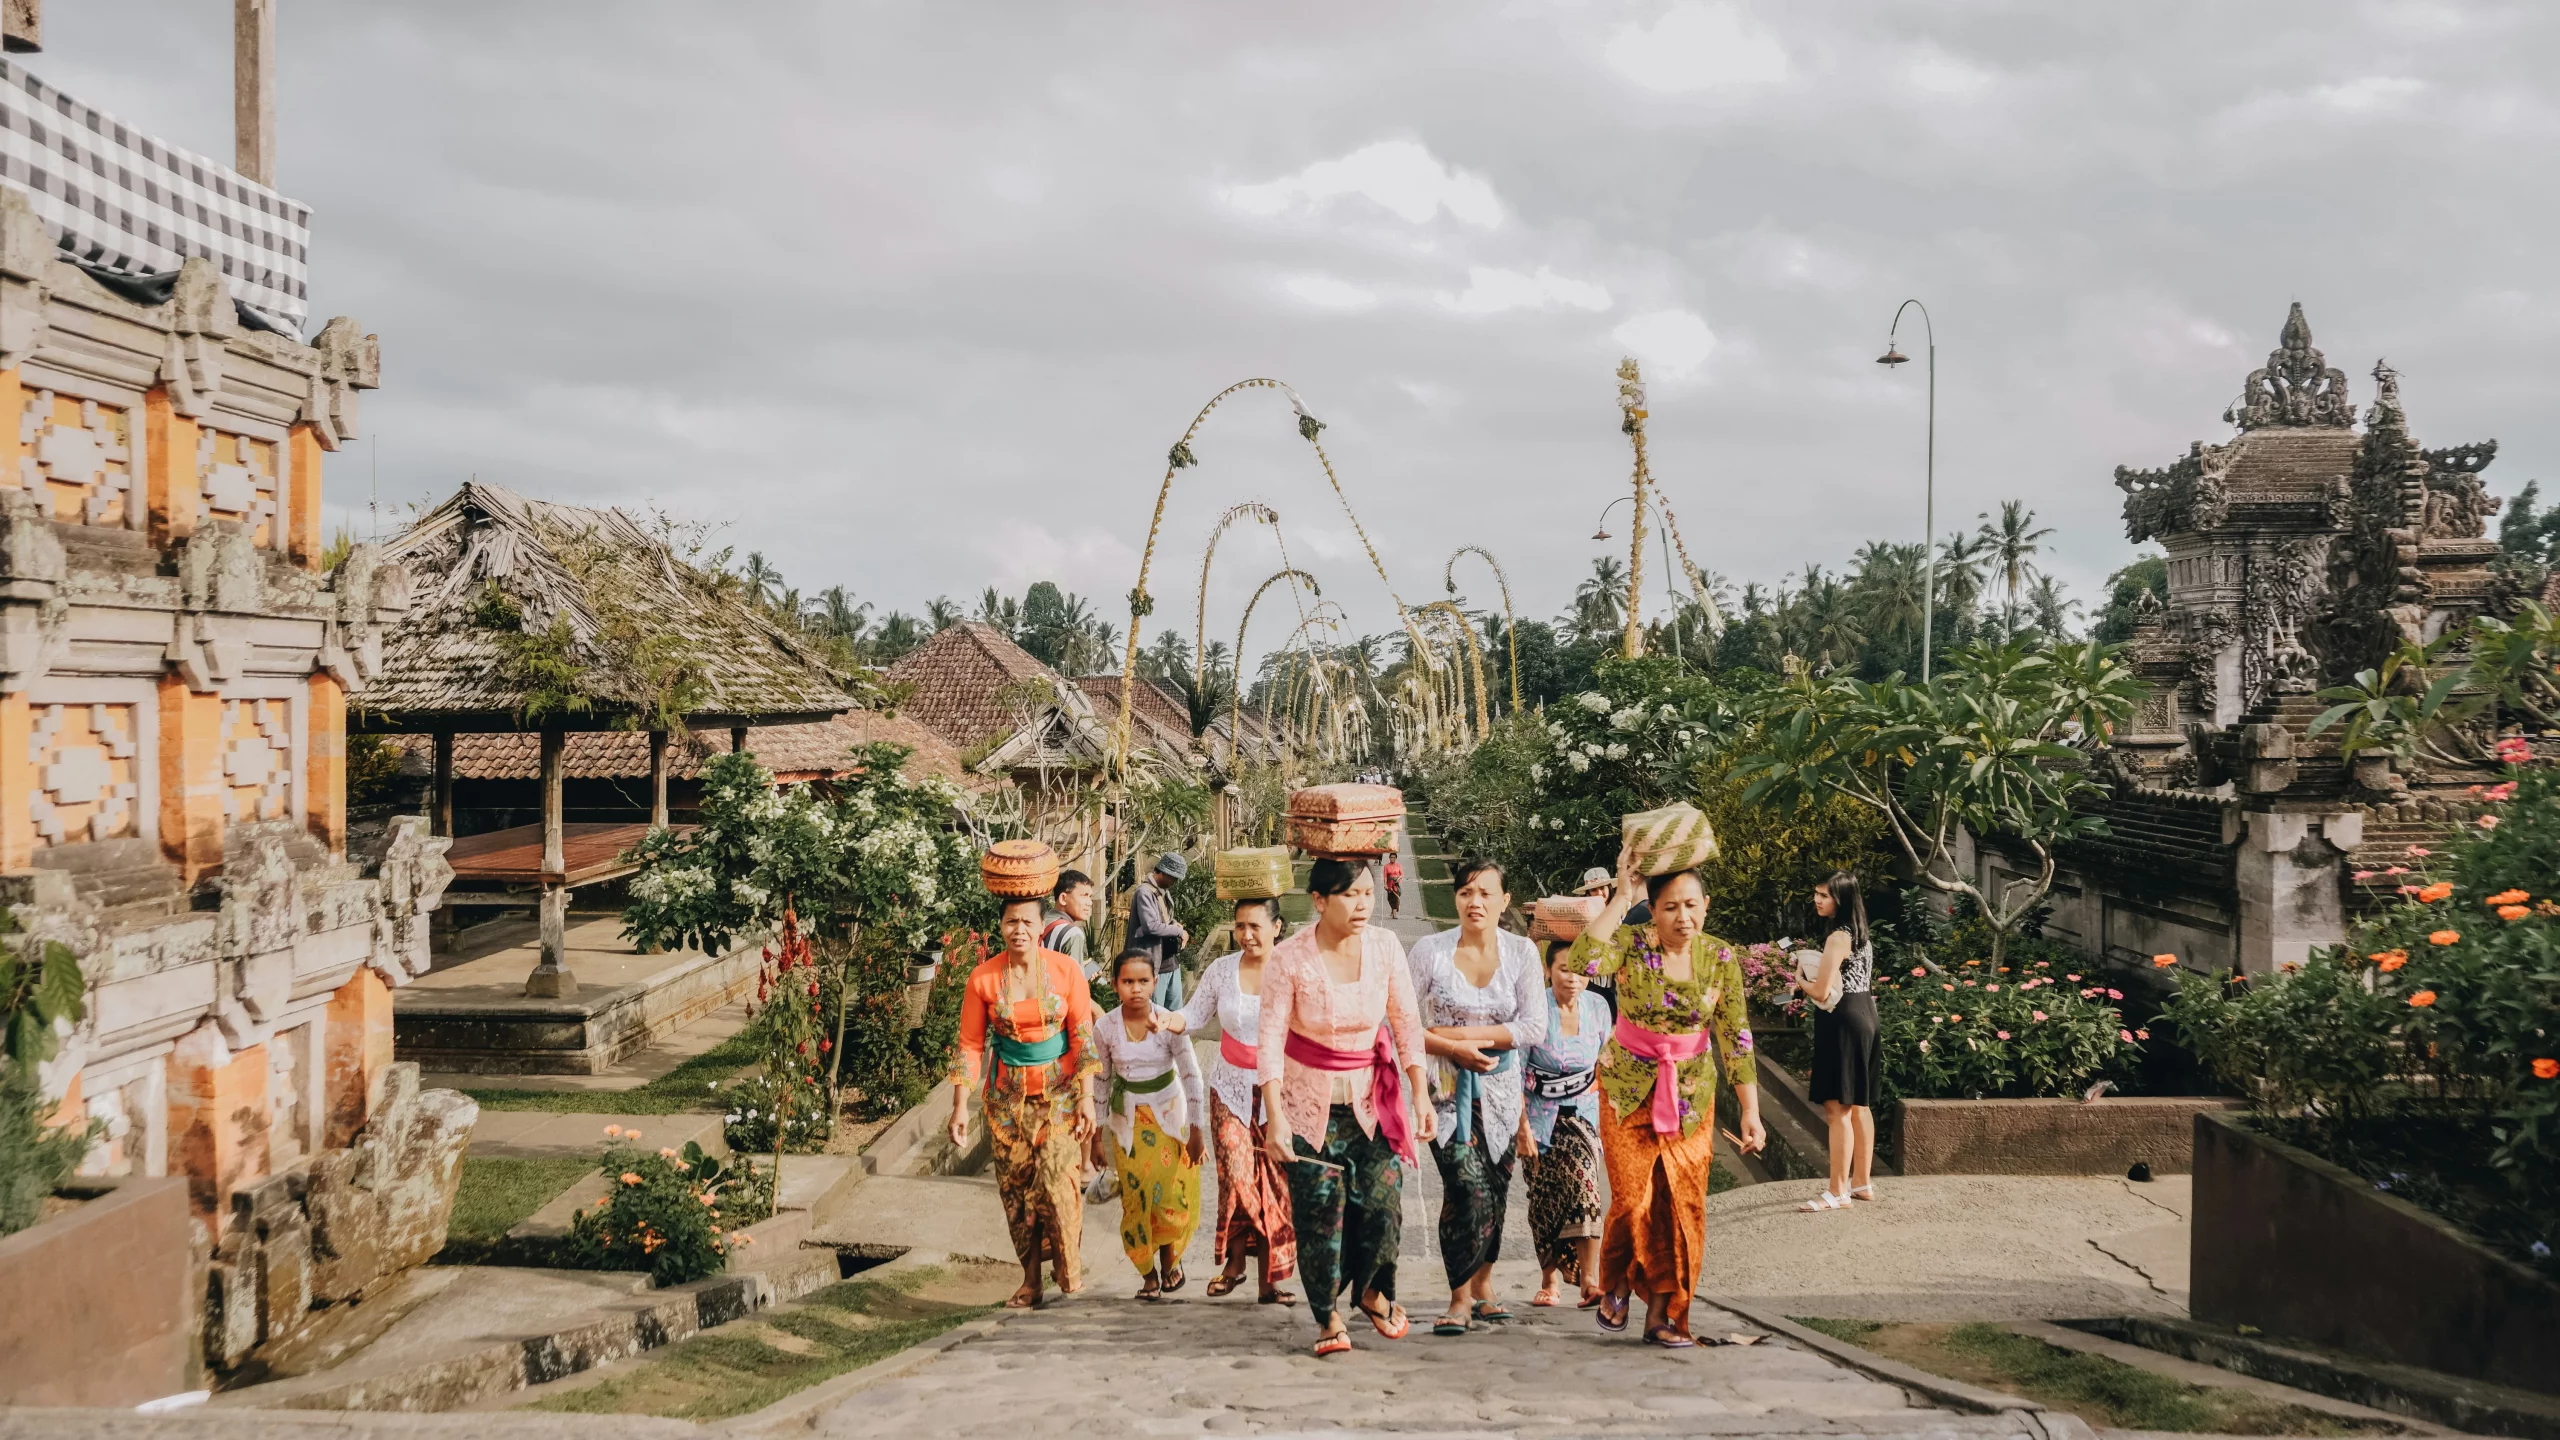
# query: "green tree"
2148 574
2011 543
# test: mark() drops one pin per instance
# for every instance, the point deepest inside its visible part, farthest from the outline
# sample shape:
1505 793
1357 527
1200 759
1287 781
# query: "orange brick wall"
358 1040
190 777
169 486
217 1123
17 779
13 403
325 772
302 534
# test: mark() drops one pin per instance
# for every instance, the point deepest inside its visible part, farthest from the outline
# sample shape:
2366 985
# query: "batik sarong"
1253 1197
1564 1197
1346 1198
1474 1192
1031 1139
1159 1192
1656 1232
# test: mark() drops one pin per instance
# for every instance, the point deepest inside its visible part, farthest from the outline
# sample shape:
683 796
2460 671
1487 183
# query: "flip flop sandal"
1546 1297
1402 1322
1669 1339
1493 1312
1276 1297
1446 1326
1331 1345
1179 1280
1222 1285
1612 1317
1023 1300
1150 1290
1588 1301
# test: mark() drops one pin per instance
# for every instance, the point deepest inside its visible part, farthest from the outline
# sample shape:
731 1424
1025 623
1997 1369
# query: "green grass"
2106 1393
686 1088
748 1365
493 1197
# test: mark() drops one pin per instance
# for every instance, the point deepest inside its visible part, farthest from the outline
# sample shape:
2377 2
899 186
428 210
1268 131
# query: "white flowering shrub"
877 871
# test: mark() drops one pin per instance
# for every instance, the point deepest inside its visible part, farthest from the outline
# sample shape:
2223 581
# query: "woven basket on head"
1673 838
1019 869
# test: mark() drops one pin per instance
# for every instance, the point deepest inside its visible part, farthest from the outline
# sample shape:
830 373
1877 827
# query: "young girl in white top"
1153 1107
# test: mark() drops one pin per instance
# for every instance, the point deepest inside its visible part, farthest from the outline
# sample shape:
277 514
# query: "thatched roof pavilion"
529 616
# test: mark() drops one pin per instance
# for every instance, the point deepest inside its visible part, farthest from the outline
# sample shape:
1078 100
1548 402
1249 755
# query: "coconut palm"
1600 602
1887 588
942 612
2011 542
2052 609
759 579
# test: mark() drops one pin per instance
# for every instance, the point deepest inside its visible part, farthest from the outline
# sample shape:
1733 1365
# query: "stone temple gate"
2301 550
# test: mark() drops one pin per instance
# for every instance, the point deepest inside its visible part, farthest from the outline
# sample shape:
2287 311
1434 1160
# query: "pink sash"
1386 1083
1666 1052
1235 1052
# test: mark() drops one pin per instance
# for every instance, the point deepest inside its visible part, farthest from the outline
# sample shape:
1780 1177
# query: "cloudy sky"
913 297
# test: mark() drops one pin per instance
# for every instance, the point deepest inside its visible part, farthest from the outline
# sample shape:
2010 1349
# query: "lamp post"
1653 503
1929 513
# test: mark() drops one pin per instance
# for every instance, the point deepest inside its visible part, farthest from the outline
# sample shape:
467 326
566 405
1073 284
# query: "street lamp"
1601 532
1929 514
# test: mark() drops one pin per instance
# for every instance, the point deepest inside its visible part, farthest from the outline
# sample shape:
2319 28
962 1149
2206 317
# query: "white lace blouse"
1176 1105
1512 997
1221 997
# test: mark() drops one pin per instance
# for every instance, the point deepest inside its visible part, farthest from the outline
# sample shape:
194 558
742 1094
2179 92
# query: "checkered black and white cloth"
128 202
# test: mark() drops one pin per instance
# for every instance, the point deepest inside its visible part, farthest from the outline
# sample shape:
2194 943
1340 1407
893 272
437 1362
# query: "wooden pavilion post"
737 739
444 783
551 979
657 777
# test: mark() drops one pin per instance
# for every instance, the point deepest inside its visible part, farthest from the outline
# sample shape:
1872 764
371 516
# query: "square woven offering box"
1346 820
1257 874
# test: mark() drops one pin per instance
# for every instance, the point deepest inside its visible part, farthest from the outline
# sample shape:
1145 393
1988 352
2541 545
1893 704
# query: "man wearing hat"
1599 882
1152 927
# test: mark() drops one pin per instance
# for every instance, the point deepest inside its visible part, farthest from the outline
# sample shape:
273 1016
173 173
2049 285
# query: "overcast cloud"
914 297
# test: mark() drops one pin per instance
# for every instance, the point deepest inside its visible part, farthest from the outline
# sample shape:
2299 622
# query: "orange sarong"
1654 1239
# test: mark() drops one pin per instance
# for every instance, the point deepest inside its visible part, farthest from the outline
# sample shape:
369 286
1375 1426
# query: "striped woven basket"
1562 917
1019 869
1673 838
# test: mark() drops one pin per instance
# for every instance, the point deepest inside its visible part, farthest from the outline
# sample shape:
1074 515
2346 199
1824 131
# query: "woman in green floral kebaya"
1680 1023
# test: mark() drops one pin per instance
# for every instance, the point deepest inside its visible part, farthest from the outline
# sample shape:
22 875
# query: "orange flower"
2163 962
2546 1068
612 1131
2391 961
2488 822
2444 937
630 1178
2514 912
2507 897
2438 891
2423 999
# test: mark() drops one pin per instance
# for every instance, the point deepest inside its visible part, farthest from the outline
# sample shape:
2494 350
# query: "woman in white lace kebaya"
1253 1191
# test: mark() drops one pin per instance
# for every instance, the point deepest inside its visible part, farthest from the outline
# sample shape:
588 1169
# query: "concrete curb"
2191 1372
801 1411
1951 1394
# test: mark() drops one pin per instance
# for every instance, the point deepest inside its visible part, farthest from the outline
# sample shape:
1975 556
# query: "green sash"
1123 1087
1020 1056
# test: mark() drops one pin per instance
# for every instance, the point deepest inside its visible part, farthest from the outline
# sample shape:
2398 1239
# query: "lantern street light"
1929 513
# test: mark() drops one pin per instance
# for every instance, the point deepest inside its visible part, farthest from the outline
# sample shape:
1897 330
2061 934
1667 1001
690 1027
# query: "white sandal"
1824 1201
1862 1192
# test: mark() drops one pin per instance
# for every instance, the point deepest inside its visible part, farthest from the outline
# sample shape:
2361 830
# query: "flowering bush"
2433 1033
2029 1028
856 880
674 1214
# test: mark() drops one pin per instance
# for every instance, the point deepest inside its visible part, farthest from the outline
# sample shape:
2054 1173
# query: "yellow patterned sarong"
1159 1191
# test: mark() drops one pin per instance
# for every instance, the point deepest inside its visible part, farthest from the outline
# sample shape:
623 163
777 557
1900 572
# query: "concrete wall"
2050 1137
99 1308
2302 1249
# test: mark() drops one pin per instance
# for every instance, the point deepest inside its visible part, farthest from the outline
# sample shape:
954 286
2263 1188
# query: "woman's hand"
1630 880
1754 1136
1527 1143
1469 1053
959 1127
1427 1123
1171 1022
1084 1126
1275 1137
1195 1144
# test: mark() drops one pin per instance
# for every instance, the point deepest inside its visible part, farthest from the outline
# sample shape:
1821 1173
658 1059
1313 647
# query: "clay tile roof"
1157 719
956 678
2291 463
792 752
556 563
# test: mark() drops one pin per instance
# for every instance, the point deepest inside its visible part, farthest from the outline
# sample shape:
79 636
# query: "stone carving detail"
236 481
80 453
412 882
2212 632
381 1205
2297 386
87 787
2186 495
257 759
2284 588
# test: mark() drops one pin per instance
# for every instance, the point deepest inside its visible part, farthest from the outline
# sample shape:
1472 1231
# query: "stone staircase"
127 880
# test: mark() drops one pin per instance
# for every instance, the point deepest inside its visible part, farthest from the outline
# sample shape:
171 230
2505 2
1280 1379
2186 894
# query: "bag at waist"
1562 1085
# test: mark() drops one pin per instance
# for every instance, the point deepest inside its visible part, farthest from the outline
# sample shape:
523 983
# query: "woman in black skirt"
1844 1043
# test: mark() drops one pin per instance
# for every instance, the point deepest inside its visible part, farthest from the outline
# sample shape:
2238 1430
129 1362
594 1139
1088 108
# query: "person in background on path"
1394 873
1339 1061
1253 1188
1154 1125
1026 1040
1070 910
1680 1022
1153 929
1595 886
1478 990
1845 1058
1560 1129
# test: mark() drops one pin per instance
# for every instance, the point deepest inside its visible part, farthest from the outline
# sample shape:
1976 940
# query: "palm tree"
1168 657
942 612
1600 602
2052 608
2011 542
759 578
1887 586
837 615
1001 611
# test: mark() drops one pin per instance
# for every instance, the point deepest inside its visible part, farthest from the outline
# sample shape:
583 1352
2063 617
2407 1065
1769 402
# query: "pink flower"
2420 851
2115 994
2074 979
1994 986
2500 792
2395 870
2125 1035
2141 1034
1946 987
2362 876
2003 1034
1919 969
2037 1013
2488 822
